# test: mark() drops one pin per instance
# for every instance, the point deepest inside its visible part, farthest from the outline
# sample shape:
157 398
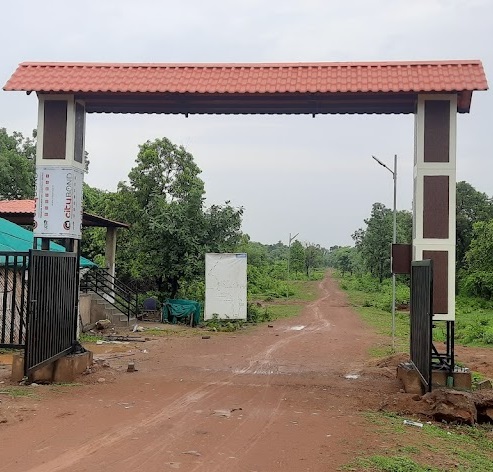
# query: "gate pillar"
434 200
59 167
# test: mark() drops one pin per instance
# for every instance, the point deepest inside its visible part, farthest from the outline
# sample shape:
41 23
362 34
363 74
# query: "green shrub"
257 314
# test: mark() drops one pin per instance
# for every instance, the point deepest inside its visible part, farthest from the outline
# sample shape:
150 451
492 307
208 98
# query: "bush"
193 291
257 314
478 284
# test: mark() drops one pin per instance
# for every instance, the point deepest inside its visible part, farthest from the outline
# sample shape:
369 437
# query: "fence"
13 299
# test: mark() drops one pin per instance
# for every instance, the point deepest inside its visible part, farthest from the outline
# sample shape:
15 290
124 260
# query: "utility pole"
394 238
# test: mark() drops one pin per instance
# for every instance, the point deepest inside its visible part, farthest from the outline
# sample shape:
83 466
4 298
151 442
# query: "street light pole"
289 257
394 238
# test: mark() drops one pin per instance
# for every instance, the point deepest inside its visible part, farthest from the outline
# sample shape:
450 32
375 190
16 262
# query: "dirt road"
285 398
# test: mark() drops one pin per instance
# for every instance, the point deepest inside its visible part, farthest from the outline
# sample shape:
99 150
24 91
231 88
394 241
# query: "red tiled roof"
324 77
16 206
24 210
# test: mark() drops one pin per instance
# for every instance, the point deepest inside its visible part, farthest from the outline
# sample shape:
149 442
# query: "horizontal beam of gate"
13 299
53 294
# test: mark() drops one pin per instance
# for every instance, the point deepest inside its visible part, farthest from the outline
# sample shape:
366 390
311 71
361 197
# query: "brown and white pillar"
434 200
59 167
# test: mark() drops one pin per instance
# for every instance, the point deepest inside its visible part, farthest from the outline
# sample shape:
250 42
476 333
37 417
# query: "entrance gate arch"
433 91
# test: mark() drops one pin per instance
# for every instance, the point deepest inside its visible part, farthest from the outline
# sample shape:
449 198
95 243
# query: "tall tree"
374 242
472 206
313 257
342 258
296 257
478 277
171 231
17 165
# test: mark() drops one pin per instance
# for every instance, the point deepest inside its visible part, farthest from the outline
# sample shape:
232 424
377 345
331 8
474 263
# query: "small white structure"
225 286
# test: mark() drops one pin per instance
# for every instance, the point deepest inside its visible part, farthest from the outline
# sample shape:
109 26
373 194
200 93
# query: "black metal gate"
13 299
53 295
422 319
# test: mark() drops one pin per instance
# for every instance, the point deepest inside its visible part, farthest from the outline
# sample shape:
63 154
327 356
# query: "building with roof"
16 239
21 212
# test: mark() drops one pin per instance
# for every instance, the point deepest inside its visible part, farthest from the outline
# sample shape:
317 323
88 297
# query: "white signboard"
225 286
58 212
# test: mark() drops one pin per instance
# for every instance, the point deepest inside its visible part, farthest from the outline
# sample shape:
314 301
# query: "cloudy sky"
290 173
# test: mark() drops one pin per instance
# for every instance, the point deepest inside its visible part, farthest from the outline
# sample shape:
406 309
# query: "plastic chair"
150 307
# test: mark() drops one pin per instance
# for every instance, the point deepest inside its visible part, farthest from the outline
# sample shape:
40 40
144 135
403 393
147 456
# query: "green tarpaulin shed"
179 310
15 238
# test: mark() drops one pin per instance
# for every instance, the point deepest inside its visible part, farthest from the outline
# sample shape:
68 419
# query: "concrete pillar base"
461 380
410 379
65 369
412 383
17 367
68 368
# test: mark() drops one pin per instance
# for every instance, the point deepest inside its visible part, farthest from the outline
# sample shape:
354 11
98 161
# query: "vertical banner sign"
58 212
225 286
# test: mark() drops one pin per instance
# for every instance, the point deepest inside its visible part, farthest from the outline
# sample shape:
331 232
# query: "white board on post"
225 286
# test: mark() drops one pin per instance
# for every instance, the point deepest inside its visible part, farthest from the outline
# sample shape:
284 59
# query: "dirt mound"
389 361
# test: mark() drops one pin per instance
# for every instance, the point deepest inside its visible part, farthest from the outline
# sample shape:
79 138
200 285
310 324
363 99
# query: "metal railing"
13 299
116 293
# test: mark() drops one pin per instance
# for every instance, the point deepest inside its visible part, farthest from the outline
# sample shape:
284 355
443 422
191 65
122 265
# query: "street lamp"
291 239
394 239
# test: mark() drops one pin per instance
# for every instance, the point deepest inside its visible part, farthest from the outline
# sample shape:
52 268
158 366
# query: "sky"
292 174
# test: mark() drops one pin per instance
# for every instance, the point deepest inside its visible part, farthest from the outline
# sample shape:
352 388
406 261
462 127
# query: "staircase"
110 298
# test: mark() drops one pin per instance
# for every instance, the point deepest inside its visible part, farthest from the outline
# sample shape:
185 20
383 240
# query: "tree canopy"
374 242
17 165
478 274
472 206
171 231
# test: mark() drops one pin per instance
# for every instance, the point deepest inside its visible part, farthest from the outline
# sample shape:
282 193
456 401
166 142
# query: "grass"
5 350
370 300
474 317
177 330
89 338
304 290
391 464
16 392
431 448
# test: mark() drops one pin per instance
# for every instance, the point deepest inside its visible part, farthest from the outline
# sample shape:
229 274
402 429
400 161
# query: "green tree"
170 229
313 257
478 279
277 251
17 165
342 258
404 220
296 257
256 252
374 242
472 206
98 202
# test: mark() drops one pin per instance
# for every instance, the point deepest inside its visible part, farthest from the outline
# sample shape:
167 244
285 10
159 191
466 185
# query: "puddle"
352 376
107 348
